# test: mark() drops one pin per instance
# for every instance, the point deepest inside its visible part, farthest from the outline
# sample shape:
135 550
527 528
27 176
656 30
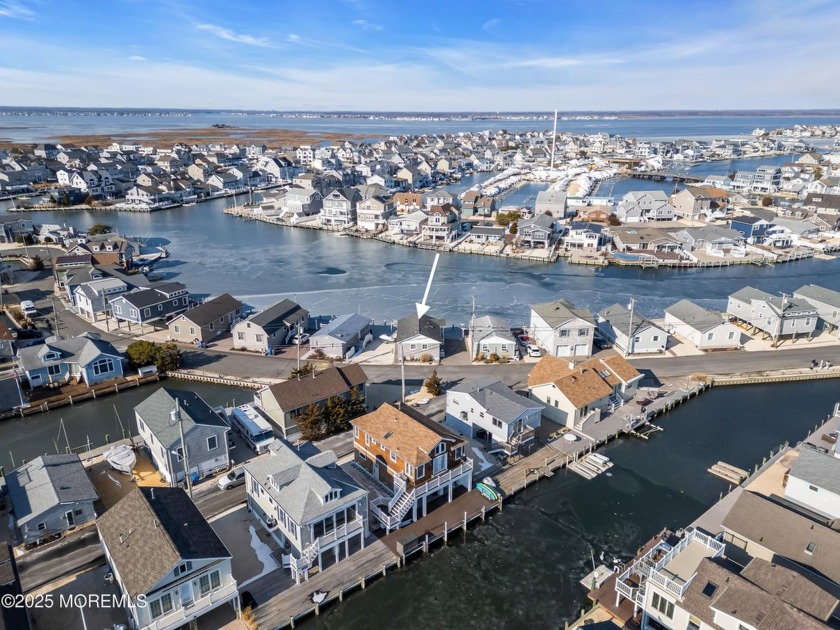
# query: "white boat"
121 458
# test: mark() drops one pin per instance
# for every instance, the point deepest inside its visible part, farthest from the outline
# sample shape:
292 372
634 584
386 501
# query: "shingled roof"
586 382
156 412
212 310
296 393
150 531
284 313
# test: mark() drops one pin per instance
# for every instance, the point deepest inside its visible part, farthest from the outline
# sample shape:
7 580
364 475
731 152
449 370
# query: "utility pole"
298 347
55 317
553 140
184 448
402 371
629 349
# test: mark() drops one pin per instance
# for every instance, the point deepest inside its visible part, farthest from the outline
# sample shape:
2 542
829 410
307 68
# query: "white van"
28 308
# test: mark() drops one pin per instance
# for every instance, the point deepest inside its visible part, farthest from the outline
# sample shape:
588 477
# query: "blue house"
84 359
157 302
750 227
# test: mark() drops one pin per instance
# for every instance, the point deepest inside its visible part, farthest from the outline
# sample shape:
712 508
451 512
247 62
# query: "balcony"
443 479
309 555
178 618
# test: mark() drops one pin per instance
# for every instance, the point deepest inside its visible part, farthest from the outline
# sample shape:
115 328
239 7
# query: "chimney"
571 364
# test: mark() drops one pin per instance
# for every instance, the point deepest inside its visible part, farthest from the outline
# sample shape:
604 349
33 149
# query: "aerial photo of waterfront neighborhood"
467 341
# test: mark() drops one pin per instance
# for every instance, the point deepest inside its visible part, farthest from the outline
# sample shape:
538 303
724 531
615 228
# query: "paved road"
63 557
214 501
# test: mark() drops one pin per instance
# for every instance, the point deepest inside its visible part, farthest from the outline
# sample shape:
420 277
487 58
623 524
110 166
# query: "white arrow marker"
422 309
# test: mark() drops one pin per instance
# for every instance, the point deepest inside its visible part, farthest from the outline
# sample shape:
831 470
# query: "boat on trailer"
121 458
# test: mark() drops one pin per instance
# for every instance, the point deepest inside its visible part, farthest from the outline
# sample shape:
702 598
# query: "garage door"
581 350
564 351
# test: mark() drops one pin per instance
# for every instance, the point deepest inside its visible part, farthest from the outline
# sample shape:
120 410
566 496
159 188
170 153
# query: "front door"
71 520
186 595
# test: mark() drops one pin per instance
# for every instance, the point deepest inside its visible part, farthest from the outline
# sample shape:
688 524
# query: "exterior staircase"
402 505
616 402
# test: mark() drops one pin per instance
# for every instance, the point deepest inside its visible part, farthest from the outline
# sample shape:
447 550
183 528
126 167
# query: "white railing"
673 586
387 520
627 591
176 618
402 506
340 532
443 479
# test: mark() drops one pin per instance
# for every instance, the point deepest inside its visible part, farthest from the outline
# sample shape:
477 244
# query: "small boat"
121 458
487 492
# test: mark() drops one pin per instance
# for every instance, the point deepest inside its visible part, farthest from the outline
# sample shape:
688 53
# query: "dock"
644 431
590 466
727 472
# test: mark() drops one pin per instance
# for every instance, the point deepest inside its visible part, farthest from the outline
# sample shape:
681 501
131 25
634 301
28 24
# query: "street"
65 556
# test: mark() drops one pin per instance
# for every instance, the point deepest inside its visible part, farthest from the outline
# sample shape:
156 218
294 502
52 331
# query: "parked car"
300 339
28 308
523 338
235 477
516 332
533 351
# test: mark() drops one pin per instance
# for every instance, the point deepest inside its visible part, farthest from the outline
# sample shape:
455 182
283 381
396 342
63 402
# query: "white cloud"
367 26
550 63
137 58
293 38
490 25
15 10
231 36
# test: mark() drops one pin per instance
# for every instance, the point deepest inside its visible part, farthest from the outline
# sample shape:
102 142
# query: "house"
49 496
167 414
284 402
826 301
85 358
486 234
301 202
170 565
776 316
13 229
206 321
651 239
760 527
630 331
563 329
490 411
150 304
752 229
813 482
645 205
106 249
585 235
410 224
551 202
312 508
340 208
686 582
408 202
420 461
822 203
700 203
92 299
343 336
418 338
575 394
536 233
270 328
438 197
713 239
489 335
443 224
373 214
706 329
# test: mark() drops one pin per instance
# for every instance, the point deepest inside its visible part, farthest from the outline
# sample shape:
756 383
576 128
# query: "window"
548 400
240 336
356 432
504 347
810 547
161 606
393 456
178 329
813 488
215 580
367 440
409 470
192 330
259 338
160 307
693 623
421 470
53 370
656 337
583 332
711 336
212 443
497 423
709 589
185 301
42 527
182 568
179 453
564 333
732 335
636 339
147 312
807 321
103 366
204 584
663 605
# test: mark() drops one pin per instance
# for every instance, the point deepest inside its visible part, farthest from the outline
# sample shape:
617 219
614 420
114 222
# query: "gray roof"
156 412
790 587
150 531
618 316
818 469
818 294
786 532
301 484
151 295
410 326
344 326
46 482
791 306
490 324
694 315
84 349
212 310
497 398
275 317
541 221
552 197
561 311
488 230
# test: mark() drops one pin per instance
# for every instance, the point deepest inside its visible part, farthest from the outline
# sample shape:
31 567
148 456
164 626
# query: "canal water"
260 263
521 569
27 438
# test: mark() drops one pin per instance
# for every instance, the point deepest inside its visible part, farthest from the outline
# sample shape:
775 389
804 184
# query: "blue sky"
407 55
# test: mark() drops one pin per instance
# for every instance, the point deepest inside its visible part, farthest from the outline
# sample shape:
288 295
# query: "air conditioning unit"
271 522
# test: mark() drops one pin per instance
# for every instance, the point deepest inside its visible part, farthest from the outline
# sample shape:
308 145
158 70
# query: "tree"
168 357
614 220
506 218
336 415
514 227
356 404
311 423
818 173
141 353
304 370
98 228
36 263
766 201
433 384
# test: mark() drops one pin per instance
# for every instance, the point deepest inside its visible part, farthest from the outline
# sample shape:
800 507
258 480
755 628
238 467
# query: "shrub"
479 356
165 357
36 263
426 358
304 370
494 358
98 228
433 384
766 201
504 358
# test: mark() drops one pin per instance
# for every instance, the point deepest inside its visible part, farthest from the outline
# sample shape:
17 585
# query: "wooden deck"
281 602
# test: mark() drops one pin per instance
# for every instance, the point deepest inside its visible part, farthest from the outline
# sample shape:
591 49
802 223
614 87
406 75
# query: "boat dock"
729 473
590 466
644 431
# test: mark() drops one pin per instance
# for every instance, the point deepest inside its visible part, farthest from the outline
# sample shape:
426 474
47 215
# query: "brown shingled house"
575 394
420 460
286 401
